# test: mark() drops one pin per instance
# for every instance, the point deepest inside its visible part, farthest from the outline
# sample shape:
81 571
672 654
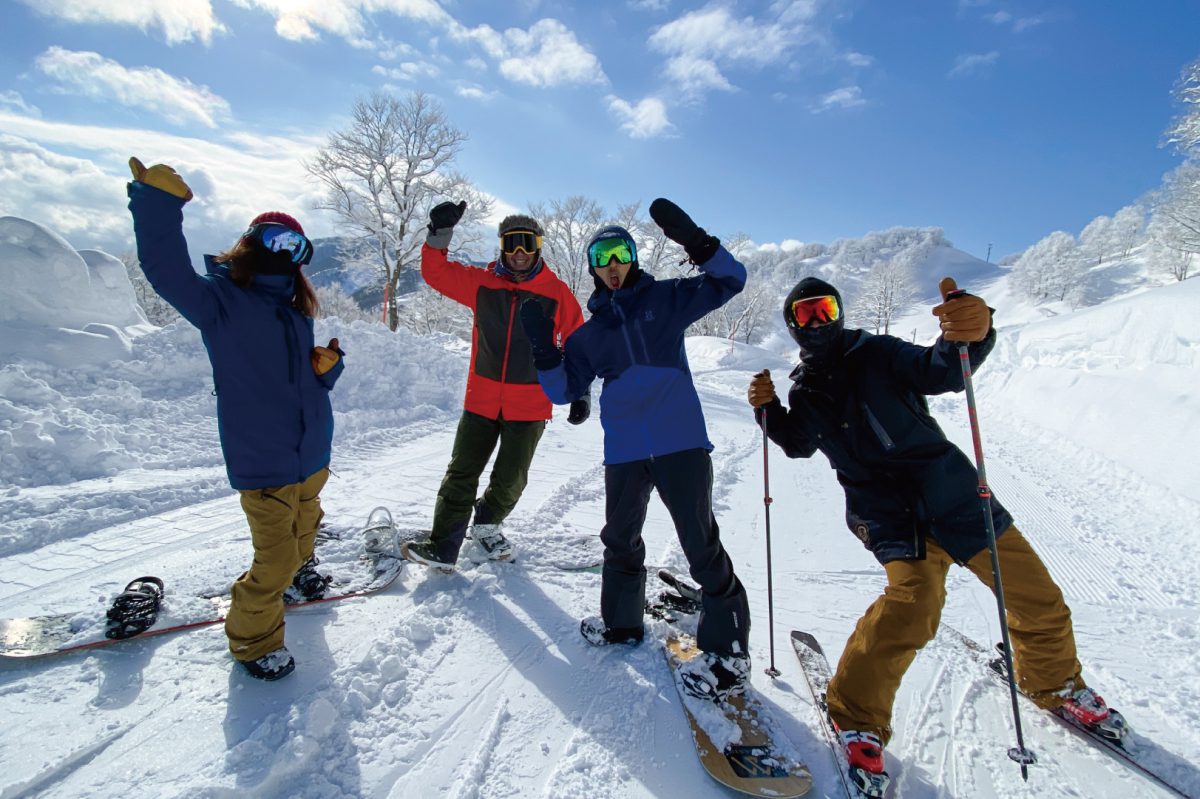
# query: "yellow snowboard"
754 765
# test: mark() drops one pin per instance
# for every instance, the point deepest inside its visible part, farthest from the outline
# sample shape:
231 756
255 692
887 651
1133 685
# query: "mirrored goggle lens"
278 238
604 250
515 240
816 310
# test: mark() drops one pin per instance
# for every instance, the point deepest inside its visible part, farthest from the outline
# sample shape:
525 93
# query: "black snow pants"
684 483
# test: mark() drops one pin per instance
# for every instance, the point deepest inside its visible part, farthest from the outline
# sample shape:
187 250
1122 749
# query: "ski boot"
864 756
1089 709
135 609
715 678
425 553
596 633
308 584
271 666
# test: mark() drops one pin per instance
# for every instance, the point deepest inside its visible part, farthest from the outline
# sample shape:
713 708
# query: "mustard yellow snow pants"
906 616
283 529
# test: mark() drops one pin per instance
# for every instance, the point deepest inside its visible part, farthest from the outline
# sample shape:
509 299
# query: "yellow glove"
963 318
325 358
761 390
160 176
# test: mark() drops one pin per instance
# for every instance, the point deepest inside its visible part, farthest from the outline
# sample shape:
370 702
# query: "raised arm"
457 281
721 275
156 199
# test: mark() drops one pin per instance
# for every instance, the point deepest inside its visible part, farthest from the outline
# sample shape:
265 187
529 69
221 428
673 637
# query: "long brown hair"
242 259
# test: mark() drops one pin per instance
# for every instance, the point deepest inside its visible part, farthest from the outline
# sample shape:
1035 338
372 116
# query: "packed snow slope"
478 684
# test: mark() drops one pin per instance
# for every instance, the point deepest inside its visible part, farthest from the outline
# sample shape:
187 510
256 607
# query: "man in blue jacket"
654 434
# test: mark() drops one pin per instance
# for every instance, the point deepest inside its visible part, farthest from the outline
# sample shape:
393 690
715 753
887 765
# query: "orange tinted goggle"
525 240
816 311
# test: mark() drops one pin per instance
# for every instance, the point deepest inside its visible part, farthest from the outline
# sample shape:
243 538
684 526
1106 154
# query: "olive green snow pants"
283 529
474 443
906 616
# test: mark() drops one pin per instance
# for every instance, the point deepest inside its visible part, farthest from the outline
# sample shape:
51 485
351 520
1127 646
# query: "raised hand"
963 317
160 176
442 219
680 228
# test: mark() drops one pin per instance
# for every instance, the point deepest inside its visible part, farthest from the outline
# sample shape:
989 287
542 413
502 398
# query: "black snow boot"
308 584
596 633
271 666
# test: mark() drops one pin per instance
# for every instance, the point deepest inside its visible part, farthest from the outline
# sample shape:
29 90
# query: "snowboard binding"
135 609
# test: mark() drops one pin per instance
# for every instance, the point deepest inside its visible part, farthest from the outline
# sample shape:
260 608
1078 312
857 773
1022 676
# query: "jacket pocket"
884 439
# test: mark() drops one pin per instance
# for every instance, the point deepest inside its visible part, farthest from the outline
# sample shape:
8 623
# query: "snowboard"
752 763
818 674
363 565
1134 750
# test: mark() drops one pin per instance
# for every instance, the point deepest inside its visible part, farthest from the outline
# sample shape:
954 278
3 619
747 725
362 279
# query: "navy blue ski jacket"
273 411
634 343
903 479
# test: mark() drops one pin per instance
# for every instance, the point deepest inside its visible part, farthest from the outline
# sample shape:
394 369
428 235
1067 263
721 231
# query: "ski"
1135 751
748 759
818 675
368 571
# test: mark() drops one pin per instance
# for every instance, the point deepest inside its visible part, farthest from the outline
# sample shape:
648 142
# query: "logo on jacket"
862 532
649 317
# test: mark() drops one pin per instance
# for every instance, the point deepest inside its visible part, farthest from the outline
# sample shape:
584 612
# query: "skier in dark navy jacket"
654 434
254 309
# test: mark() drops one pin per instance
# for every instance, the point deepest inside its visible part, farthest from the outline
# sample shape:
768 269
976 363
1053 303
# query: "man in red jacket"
504 401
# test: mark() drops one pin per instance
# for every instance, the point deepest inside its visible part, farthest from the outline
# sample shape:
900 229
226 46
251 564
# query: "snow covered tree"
1098 239
383 173
158 311
887 289
1052 269
425 311
1184 132
1128 225
338 304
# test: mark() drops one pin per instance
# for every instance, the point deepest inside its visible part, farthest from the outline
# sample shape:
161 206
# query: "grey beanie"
520 222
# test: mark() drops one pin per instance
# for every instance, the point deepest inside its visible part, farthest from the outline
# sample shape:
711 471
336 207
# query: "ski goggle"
604 250
280 238
816 311
514 240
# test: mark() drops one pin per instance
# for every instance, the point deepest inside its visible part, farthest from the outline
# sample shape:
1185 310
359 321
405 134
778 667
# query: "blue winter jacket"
903 479
273 411
634 343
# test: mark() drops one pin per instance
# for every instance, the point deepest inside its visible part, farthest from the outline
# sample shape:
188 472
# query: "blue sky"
800 119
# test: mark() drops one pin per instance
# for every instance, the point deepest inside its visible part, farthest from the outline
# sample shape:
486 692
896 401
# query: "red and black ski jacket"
503 382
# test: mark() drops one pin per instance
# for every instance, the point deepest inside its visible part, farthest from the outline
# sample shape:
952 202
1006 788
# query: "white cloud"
700 44
1025 23
83 192
409 71
971 63
146 88
473 91
179 20
999 18
648 5
845 97
645 120
546 55
13 99
300 20
858 59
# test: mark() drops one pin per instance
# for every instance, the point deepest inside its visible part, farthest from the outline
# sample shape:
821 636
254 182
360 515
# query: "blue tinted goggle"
281 238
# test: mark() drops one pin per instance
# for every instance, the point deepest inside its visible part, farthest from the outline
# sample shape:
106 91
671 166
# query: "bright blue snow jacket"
634 343
273 411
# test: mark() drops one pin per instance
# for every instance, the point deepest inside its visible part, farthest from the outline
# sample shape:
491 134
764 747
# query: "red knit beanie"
279 218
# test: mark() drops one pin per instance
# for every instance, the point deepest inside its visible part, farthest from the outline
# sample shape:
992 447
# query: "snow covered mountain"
478 684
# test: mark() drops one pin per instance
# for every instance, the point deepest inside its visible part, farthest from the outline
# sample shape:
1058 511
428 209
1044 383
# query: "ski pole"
1019 753
772 671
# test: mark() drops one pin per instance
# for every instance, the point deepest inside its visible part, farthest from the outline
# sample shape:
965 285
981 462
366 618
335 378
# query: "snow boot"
864 754
596 633
715 678
491 542
271 666
135 609
425 553
1089 709
308 584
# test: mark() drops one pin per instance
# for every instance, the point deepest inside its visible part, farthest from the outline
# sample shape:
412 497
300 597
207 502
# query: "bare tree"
384 172
568 225
158 311
887 288
426 311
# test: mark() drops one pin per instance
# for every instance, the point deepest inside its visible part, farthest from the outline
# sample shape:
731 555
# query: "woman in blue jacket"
254 309
654 434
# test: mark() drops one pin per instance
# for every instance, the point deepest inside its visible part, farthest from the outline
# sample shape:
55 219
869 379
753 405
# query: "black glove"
539 329
442 219
680 229
581 409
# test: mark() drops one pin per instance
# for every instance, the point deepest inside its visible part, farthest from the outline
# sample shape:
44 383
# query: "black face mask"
274 263
820 346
